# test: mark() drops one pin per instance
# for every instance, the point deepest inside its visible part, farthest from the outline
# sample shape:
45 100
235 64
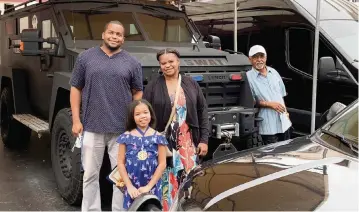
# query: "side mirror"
31 44
327 72
326 69
335 109
214 42
207 44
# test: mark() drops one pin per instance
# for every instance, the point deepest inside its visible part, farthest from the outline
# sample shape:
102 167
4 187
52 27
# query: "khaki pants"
93 149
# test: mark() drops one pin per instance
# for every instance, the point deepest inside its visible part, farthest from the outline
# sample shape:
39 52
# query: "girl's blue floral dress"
141 161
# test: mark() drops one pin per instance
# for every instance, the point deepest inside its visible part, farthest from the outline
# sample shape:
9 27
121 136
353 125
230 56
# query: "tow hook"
225 148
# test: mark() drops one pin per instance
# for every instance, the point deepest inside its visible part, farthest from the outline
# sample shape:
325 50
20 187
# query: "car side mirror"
213 42
334 110
31 44
328 72
326 69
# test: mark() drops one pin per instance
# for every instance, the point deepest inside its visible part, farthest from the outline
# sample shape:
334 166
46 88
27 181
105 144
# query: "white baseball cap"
256 49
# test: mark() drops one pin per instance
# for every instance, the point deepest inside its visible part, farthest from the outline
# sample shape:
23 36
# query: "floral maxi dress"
184 156
141 168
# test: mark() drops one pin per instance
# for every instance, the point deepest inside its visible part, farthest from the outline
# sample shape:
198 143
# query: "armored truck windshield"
154 24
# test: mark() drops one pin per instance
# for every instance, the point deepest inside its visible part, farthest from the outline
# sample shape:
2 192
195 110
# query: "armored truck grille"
218 94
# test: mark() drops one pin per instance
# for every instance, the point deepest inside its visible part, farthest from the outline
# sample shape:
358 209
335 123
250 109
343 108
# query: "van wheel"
13 133
65 163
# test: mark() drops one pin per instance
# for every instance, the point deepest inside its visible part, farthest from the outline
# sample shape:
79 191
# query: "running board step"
34 123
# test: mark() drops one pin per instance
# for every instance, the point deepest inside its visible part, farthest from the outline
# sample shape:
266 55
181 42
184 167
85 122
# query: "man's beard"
111 48
259 66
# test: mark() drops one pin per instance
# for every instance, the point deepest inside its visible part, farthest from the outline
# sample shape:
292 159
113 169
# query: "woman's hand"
133 192
202 149
144 189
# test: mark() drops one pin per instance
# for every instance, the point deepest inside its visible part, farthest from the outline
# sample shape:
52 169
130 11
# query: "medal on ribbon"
142 155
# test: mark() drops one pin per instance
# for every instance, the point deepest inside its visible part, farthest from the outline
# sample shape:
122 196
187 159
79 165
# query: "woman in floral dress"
187 133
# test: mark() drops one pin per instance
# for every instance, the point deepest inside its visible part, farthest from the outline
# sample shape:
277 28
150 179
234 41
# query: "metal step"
34 123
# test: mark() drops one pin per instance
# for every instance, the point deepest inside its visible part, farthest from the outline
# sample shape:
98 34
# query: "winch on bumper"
231 111
235 127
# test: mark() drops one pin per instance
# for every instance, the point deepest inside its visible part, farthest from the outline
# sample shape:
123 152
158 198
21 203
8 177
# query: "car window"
300 53
345 34
343 132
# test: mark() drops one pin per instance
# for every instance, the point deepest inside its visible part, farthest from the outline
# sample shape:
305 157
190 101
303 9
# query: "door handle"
286 79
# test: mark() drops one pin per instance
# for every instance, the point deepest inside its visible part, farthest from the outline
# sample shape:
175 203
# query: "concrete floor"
26 179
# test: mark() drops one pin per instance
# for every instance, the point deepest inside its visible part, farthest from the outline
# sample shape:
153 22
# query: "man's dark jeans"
269 139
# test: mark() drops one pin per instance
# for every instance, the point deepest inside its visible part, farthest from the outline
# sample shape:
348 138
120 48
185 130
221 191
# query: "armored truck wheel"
66 164
13 133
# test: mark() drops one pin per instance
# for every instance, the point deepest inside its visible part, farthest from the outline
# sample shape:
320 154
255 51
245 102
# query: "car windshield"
345 34
343 132
86 25
339 21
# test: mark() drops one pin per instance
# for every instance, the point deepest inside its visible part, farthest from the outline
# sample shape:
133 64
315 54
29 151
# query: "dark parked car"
316 172
286 28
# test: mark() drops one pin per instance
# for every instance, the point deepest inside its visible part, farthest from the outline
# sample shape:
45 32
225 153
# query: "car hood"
294 175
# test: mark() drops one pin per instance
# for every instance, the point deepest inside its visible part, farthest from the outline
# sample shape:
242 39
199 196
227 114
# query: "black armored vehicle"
40 42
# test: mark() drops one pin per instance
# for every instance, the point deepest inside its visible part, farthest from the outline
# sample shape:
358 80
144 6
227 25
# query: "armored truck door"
45 23
11 28
37 67
8 30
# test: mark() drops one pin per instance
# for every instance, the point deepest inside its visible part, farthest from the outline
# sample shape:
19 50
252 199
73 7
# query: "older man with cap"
268 91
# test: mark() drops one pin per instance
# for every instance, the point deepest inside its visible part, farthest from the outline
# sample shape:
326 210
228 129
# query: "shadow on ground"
26 179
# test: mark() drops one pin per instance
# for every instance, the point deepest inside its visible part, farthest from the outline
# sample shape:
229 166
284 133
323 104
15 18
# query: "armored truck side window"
23 23
10 27
48 30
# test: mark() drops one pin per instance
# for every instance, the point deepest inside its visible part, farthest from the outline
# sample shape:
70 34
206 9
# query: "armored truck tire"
13 133
66 164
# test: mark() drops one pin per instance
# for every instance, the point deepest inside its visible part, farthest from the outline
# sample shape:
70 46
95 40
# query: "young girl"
142 153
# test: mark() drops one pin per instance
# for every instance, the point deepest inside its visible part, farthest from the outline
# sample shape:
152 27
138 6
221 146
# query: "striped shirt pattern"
269 88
